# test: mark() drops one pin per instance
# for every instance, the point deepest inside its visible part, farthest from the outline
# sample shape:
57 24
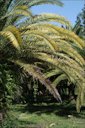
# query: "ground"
44 116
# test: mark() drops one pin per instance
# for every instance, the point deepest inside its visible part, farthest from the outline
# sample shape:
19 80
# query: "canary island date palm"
11 35
38 43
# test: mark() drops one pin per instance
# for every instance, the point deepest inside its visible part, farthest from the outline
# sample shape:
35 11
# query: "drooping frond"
37 2
47 18
72 63
72 74
18 11
68 35
46 46
50 43
53 72
80 97
9 35
59 78
63 45
64 33
63 65
15 31
36 73
68 49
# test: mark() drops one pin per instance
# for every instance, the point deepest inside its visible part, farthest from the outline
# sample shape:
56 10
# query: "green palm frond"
80 98
53 72
59 79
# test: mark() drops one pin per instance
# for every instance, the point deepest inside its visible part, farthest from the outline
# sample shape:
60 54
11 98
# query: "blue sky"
70 9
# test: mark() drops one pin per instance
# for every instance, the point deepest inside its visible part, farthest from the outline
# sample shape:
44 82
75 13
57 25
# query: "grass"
46 116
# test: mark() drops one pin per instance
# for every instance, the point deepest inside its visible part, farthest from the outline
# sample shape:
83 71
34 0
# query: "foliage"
43 50
8 53
10 88
10 121
79 27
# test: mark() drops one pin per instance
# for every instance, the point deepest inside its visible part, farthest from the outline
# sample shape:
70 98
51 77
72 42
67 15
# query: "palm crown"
37 42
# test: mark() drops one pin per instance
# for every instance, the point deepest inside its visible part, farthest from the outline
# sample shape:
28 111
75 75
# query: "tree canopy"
37 48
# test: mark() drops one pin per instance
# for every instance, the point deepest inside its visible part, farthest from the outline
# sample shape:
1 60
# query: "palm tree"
12 34
38 44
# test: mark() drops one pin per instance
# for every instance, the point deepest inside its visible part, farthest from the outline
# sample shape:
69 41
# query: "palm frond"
23 7
59 44
18 11
66 47
35 72
9 35
80 98
64 33
38 2
59 79
72 62
52 73
15 31
47 18
51 43
68 35
63 65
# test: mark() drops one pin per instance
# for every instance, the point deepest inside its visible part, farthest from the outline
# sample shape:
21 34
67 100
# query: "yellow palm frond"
9 35
50 17
50 43
67 34
67 48
60 42
15 31
39 2
18 11
63 65
23 7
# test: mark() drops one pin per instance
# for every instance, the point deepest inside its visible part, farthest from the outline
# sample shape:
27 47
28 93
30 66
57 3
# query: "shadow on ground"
59 110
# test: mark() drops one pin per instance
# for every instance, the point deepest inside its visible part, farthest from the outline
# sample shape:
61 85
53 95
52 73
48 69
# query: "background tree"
80 24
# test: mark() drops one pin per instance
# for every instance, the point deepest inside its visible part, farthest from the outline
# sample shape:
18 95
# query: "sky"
70 10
